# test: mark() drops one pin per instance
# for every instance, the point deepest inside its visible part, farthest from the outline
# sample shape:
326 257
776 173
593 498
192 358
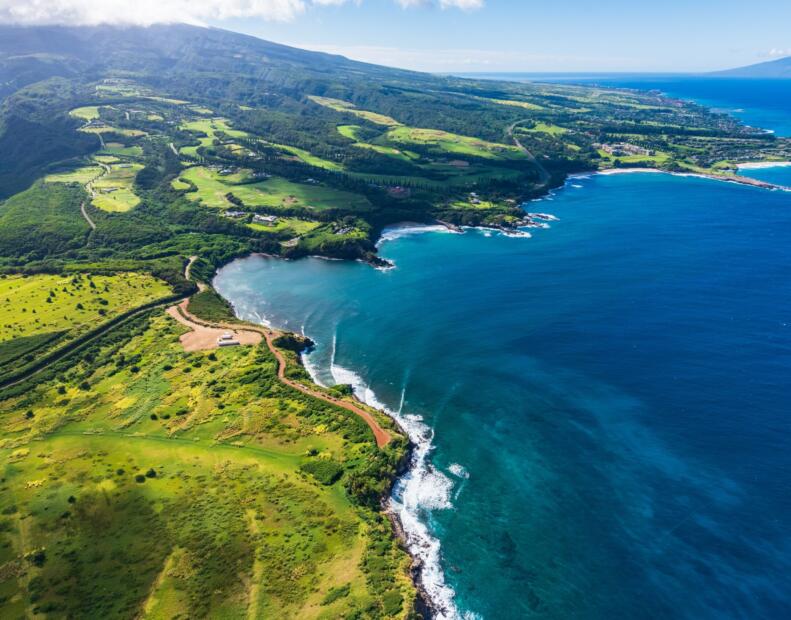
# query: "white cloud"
146 12
777 52
464 5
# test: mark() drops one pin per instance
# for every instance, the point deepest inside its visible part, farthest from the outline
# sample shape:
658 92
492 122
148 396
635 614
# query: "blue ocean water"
609 401
757 102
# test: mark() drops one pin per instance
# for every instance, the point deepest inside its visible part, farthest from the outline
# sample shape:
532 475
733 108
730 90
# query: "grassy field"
444 142
344 106
153 483
31 305
309 158
656 159
116 148
87 113
274 192
113 191
553 130
297 226
526 105
83 175
131 133
210 127
350 131
38 312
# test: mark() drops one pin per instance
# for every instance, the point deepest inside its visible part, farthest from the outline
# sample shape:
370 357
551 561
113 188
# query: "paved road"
87 217
544 176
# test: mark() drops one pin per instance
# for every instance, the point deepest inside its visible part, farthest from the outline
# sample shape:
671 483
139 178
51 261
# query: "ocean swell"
420 490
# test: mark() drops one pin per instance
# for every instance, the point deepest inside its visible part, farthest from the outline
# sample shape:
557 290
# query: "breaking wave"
421 490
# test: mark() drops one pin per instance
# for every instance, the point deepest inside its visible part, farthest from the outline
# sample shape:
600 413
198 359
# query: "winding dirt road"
207 333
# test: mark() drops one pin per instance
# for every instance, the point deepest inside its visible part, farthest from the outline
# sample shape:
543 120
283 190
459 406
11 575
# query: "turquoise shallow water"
610 399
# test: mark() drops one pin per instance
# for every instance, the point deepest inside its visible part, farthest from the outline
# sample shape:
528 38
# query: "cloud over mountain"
147 12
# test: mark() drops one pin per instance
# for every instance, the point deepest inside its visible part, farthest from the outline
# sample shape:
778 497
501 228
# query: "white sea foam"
406 230
543 216
576 186
423 488
612 171
458 470
764 164
312 368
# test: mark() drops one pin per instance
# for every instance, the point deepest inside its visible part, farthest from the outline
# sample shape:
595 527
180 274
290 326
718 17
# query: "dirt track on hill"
204 335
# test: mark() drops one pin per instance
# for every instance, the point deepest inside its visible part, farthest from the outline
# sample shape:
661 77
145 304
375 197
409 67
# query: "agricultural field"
210 487
33 308
275 193
113 191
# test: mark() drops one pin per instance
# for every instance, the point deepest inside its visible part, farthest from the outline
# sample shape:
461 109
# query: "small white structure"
227 340
267 220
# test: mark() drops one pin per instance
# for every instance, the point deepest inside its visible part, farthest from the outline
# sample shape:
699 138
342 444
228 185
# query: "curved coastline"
737 179
418 486
409 498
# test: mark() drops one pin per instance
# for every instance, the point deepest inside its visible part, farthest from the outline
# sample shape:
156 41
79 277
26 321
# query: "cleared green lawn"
83 175
132 133
299 227
453 144
659 157
517 104
86 113
211 127
116 148
553 130
350 131
308 158
344 106
113 191
275 192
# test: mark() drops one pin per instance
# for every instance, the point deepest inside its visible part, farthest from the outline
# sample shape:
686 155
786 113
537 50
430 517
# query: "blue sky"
526 35
473 35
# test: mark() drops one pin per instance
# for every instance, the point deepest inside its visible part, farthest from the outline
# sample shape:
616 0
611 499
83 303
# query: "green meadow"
209 128
41 311
295 225
350 131
113 191
444 142
87 113
344 106
83 175
275 193
152 483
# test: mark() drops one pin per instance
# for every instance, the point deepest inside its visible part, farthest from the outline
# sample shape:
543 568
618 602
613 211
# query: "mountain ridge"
772 69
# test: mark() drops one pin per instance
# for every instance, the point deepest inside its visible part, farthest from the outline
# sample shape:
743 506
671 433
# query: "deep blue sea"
603 410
